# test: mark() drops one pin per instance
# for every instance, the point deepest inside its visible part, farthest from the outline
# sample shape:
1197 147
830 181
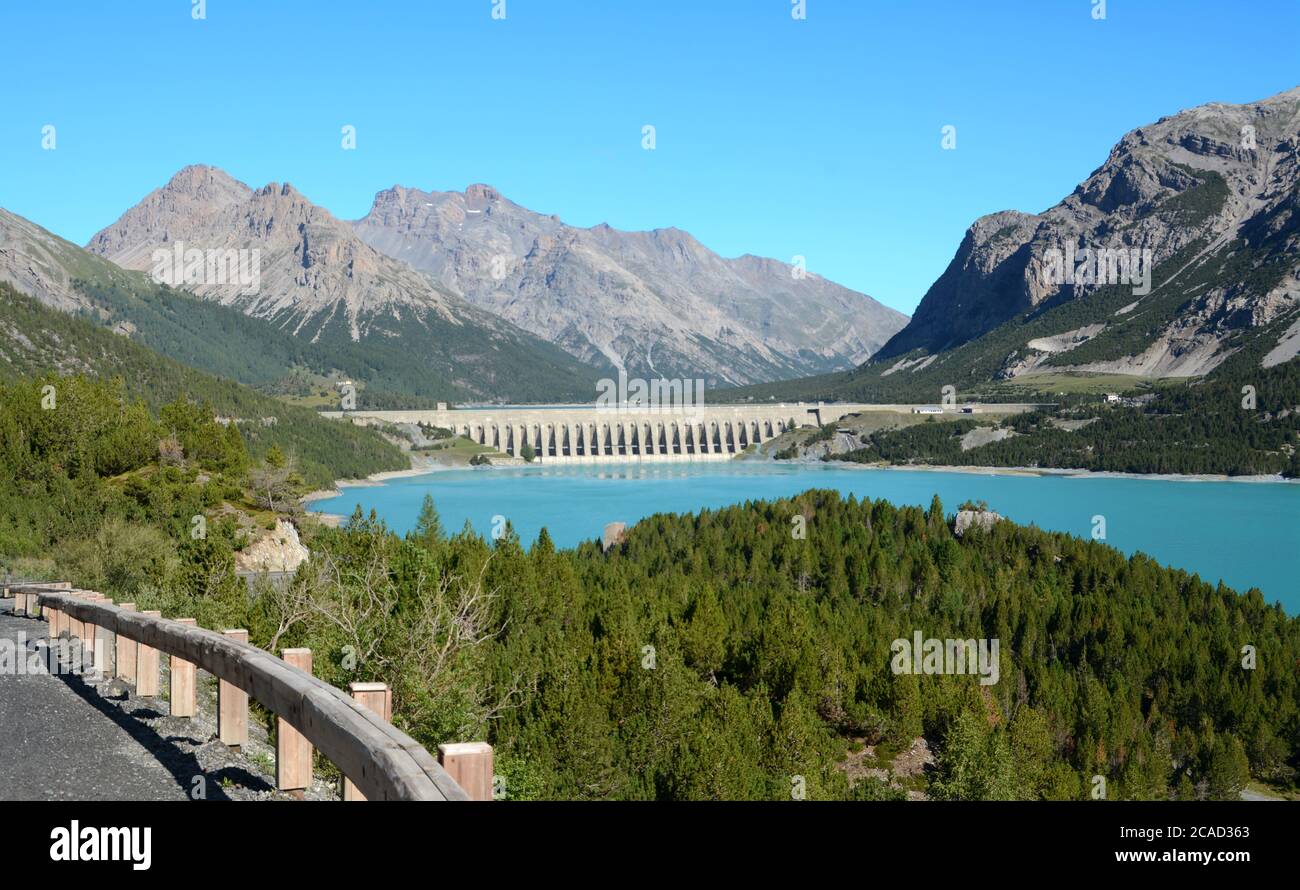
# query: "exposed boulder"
985 519
279 550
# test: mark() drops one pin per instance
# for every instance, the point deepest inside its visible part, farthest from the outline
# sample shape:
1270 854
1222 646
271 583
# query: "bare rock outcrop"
279 550
967 519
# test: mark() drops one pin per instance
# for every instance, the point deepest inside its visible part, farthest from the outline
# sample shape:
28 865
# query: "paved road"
60 739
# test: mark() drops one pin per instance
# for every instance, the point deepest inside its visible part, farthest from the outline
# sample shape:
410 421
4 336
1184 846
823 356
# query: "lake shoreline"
1095 474
374 480
432 467
1054 472
574 501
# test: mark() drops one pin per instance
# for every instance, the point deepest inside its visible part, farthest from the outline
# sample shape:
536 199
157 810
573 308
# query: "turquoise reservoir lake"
1246 534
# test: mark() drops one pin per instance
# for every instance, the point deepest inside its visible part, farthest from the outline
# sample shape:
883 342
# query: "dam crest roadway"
580 434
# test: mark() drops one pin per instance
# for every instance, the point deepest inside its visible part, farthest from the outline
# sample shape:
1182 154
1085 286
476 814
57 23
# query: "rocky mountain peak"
202 180
312 268
194 192
655 302
1196 179
479 193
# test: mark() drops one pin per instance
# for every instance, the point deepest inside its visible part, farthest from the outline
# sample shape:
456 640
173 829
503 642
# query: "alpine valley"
1198 367
492 575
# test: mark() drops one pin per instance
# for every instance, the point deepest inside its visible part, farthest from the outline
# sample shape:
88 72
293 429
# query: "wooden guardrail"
379 761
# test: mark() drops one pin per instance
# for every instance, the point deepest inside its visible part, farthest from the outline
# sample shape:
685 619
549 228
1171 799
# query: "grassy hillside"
974 367
404 363
1184 425
412 365
1192 427
38 341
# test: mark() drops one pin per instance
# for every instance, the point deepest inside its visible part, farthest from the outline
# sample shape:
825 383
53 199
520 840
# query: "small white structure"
1112 398
927 409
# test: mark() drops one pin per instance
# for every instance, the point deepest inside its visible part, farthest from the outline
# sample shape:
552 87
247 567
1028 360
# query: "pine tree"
428 526
1229 770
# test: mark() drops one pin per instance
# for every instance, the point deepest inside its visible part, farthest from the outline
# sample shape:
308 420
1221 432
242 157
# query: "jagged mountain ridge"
313 269
318 281
431 361
1218 207
657 303
1200 186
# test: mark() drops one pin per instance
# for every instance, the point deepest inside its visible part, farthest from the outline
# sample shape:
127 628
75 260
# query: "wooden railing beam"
382 761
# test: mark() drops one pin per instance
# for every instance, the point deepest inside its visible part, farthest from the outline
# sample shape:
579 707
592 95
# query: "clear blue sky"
776 137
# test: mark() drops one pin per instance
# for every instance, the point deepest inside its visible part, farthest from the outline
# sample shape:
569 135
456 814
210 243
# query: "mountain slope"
36 340
314 279
1216 204
657 303
222 340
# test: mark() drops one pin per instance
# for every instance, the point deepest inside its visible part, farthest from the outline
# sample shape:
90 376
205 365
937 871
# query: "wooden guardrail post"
147 673
105 643
87 636
293 752
109 649
126 651
378 699
470 764
75 627
27 603
33 601
232 704
52 616
183 676
90 635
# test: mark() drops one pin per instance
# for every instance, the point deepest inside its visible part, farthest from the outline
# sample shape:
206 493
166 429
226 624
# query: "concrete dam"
588 434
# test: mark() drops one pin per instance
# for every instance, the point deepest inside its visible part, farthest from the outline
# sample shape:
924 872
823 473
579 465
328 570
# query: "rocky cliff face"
656 303
274 255
38 263
279 550
1212 194
312 270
